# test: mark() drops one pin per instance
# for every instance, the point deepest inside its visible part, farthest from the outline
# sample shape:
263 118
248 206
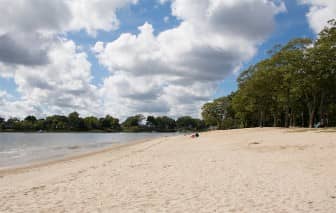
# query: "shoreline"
113 147
45 163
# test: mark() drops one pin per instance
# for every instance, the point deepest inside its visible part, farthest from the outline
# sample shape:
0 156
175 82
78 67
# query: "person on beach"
196 135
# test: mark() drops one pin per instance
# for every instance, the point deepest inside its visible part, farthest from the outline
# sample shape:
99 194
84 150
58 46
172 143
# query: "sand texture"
250 170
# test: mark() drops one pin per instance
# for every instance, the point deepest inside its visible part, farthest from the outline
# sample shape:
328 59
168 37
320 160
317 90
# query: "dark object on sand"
254 143
196 135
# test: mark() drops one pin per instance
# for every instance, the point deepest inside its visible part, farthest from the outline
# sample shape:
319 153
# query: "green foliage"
2 123
151 122
29 123
217 112
92 123
164 124
73 122
109 123
295 86
134 123
187 123
13 124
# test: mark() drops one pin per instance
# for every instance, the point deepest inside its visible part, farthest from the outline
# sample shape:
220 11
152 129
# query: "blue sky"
155 61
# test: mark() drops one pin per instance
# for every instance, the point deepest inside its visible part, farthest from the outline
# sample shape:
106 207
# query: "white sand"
251 170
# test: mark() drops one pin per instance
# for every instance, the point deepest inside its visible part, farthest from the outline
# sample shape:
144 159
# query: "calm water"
24 148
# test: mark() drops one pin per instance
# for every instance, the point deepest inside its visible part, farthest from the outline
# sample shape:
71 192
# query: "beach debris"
254 143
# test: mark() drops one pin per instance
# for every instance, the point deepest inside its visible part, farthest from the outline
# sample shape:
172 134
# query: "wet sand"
250 170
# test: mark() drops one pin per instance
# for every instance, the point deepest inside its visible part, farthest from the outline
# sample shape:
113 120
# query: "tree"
323 70
75 122
56 123
165 124
294 69
91 123
31 119
160 124
29 123
2 123
13 124
110 123
151 122
187 123
134 123
215 113
296 84
200 124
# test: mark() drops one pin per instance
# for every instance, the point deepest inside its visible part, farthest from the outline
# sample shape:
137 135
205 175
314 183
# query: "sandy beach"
250 170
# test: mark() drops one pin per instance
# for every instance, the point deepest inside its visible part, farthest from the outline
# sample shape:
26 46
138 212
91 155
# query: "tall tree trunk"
311 104
287 108
286 117
274 120
290 120
302 120
311 118
322 121
261 119
293 120
311 111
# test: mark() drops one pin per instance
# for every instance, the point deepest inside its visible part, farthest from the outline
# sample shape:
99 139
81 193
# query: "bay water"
18 149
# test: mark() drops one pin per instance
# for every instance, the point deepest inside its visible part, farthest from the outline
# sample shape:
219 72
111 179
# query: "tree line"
73 122
294 86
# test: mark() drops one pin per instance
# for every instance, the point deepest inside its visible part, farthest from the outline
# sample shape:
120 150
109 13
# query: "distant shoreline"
175 131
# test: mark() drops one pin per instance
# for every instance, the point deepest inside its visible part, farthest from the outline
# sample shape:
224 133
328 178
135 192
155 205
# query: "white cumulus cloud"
61 86
51 74
172 72
27 27
320 12
185 63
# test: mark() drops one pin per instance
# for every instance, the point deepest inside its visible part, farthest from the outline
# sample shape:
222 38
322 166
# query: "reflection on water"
24 148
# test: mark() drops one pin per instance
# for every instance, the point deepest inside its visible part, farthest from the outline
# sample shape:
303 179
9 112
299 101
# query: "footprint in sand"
81 171
37 187
34 189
